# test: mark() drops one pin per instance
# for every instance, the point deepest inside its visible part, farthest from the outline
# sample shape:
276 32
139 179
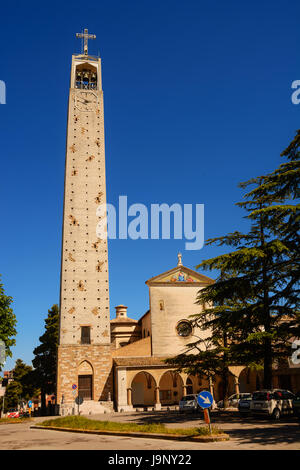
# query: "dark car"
296 405
244 405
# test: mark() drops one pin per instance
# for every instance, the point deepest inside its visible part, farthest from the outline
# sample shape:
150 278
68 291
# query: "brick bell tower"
84 352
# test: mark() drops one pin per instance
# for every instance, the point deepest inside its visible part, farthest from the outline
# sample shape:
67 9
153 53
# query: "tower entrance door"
85 386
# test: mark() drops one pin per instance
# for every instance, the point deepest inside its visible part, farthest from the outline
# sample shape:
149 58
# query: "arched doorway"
170 388
85 380
143 389
189 386
249 380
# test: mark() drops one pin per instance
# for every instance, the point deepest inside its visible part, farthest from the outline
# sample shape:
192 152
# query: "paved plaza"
245 434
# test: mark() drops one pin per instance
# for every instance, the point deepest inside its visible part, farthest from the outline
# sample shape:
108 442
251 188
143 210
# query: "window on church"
184 328
85 335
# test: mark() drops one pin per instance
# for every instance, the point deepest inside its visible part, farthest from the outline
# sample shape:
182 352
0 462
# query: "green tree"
23 374
22 386
207 355
278 191
12 396
45 360
252 310
7 323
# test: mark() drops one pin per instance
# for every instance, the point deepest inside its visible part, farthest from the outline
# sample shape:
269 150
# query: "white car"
189 403
272 403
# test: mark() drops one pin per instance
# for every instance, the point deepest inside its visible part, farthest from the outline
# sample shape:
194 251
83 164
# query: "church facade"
141 376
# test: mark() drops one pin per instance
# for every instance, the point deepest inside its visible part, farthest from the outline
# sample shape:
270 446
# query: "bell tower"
84 354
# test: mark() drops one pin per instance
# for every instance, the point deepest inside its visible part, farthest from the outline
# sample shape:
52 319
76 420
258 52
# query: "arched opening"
249 380
86 77
143 389
189 386
170 388
85 380
196 384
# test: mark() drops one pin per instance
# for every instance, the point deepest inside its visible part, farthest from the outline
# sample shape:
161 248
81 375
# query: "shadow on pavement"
272 434
252 430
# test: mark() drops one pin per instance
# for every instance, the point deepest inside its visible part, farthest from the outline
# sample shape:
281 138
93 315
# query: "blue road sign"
205 399
74 387
30 404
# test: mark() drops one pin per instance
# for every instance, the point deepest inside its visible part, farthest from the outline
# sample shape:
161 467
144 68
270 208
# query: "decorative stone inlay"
81 286
73 220
98 198
99 266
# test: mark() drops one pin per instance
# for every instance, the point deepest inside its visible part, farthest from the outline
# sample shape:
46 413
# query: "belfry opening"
86 77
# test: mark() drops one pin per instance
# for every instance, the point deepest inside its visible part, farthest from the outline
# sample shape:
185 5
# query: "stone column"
129 394
211 389
157 405
236 385
184 390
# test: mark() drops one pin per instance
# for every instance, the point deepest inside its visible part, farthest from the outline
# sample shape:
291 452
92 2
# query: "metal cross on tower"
86 36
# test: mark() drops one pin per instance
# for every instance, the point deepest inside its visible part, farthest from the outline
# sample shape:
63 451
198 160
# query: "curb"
16 422
174 437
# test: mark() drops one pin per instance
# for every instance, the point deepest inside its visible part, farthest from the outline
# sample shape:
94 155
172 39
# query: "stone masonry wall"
69 359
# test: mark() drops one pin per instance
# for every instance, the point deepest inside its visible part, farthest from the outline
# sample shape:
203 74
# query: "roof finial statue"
179 259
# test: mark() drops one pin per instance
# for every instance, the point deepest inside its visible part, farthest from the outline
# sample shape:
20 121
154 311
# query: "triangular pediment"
180 275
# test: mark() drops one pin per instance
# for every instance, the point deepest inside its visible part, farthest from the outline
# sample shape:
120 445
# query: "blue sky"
197 98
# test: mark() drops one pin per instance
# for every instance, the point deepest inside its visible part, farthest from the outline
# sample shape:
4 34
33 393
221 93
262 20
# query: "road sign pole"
205 400
206 412
74 388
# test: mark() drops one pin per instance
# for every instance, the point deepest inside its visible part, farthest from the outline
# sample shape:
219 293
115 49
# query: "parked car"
244 405
189 403
13 413
272 403
233 400
296 405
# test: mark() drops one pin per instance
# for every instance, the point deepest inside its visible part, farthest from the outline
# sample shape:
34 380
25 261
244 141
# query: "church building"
141 377
116 364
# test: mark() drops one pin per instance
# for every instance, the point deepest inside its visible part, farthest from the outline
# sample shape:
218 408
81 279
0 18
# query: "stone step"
87 408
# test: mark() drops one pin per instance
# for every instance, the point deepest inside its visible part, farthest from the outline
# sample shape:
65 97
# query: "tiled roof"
123 320
140 361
